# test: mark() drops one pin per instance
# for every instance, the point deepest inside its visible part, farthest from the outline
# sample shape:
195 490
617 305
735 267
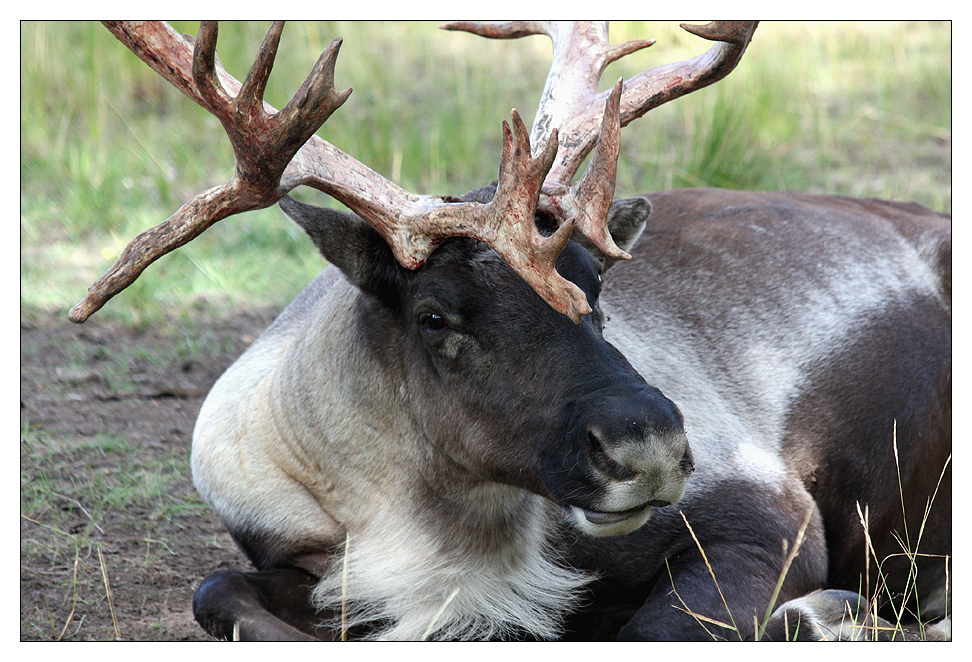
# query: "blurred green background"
109 149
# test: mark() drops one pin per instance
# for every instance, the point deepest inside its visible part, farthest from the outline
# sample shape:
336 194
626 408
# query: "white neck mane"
413 584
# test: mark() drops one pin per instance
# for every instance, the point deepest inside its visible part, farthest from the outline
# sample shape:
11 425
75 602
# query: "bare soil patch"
106 418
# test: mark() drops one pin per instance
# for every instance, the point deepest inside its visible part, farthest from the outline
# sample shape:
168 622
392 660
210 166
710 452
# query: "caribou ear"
351 245
626 221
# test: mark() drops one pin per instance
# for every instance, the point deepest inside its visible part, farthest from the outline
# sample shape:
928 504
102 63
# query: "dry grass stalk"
81 508
871 553
684 608
111 602
438 614
74 589
711 571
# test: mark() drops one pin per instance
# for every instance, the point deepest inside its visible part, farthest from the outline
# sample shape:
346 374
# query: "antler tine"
512 212
580 54
655 87
738 33
255 84
663 84
204 76
503 30
589 200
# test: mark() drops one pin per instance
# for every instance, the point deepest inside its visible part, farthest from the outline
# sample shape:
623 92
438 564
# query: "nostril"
603 462
686 466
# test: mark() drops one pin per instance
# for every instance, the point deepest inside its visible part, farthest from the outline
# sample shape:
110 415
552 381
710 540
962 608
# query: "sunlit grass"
108 148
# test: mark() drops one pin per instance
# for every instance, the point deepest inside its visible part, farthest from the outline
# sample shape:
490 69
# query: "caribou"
535 412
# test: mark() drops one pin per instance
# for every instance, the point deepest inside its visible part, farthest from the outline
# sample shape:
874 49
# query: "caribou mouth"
613 517
601 523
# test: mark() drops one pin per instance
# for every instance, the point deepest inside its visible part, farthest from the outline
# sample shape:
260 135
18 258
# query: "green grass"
109 149
72 519
113 483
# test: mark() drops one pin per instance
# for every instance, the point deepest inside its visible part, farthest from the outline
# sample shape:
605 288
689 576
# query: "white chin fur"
578 518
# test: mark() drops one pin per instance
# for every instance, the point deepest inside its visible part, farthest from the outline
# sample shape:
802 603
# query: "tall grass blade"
788 561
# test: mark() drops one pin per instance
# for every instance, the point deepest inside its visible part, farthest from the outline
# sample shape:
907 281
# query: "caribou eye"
432 321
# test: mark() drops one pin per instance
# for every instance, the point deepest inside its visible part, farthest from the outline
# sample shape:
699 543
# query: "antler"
572 104
277 151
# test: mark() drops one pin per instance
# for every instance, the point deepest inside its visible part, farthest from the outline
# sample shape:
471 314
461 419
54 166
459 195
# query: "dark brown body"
806 341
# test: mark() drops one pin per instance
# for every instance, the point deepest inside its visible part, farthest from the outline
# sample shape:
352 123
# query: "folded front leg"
273 605
725 594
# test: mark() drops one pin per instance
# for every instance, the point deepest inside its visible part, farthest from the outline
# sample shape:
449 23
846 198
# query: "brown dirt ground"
106 421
